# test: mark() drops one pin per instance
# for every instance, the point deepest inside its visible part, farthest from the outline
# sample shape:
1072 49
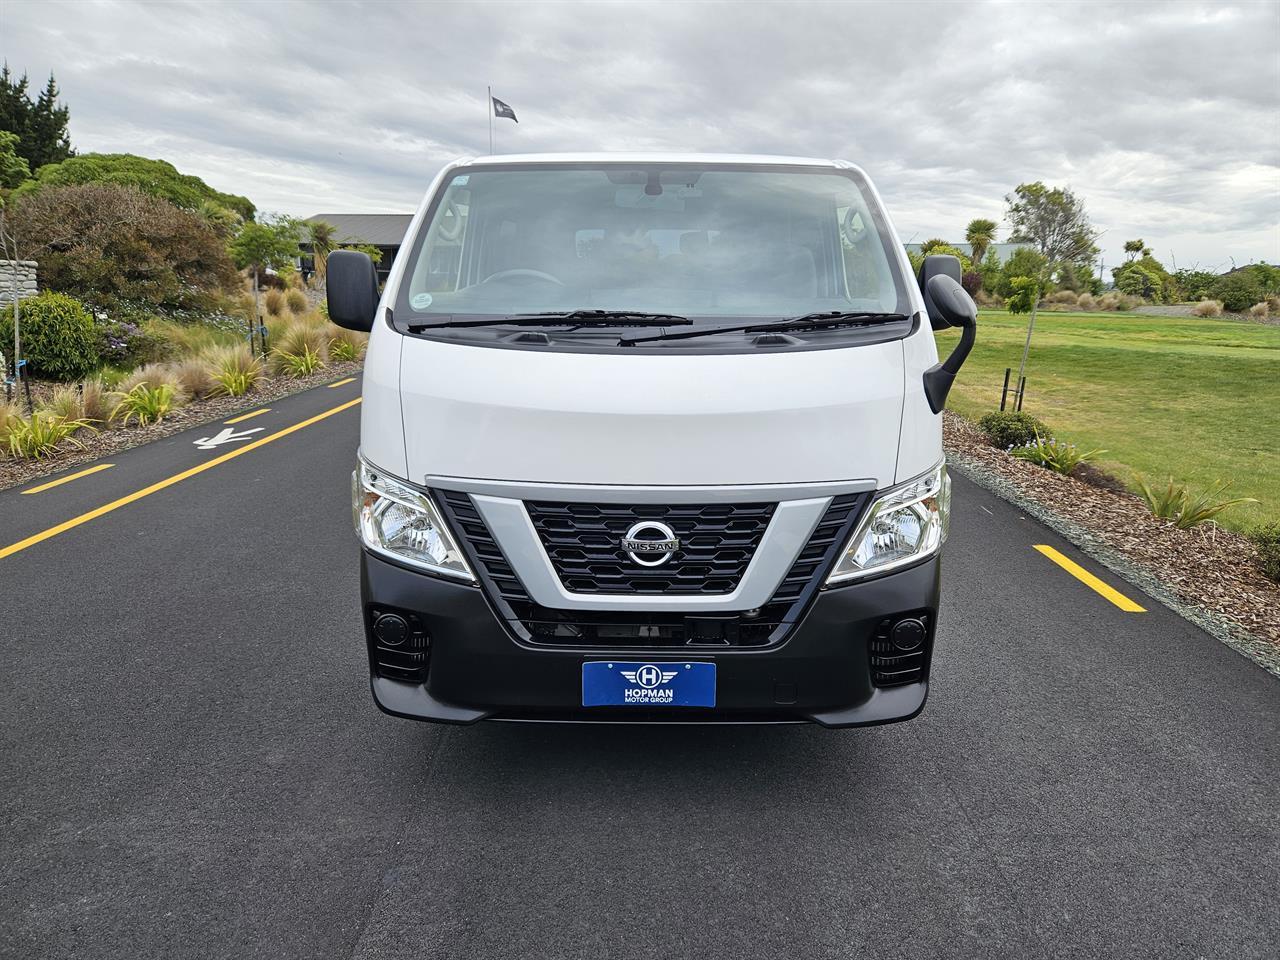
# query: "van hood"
799 416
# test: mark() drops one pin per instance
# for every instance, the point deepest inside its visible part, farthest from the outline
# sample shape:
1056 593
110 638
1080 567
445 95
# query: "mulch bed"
1207 573
109 440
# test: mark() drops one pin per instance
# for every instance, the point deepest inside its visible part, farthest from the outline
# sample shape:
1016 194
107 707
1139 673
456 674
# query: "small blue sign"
615 684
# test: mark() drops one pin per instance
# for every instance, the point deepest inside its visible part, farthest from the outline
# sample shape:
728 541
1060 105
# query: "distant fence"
25 280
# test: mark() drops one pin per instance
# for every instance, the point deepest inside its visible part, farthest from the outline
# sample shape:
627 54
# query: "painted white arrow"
225 435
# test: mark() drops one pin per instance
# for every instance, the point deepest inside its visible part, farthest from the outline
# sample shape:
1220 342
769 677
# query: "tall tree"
47 131
40 125
1132 248
14 102
980 234
266 245
1054 221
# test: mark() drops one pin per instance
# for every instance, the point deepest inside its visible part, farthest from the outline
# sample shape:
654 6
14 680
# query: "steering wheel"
854 227
523 273
452 216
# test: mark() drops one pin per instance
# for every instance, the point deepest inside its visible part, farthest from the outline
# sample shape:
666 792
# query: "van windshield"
698 241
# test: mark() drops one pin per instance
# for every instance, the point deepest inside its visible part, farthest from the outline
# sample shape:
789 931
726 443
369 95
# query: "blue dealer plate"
682 684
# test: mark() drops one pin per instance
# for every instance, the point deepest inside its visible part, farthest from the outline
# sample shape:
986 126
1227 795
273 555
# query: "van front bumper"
475 669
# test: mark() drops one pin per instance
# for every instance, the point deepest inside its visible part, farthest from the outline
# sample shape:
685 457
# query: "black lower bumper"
475 669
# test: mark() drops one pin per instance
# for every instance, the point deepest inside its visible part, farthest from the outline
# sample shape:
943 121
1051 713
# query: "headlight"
394 519
905 524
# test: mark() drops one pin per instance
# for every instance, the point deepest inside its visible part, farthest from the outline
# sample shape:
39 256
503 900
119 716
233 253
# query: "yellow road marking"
106 508
341 383
248 416
1090 581
67 479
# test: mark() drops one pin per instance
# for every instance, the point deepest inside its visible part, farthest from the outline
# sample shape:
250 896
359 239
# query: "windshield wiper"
565 318
809 321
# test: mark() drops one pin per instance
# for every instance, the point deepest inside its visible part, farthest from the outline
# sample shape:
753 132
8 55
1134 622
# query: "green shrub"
235 371
1176 502
299 339
296 301
1006 429
147 396
1137 282
1238 291
124 343
1025 291
58 336
155 177
346 344
342 351
1267 541
40 434
936 248
65 403
1023 262
1193 284
300 364
1056 455
1146 277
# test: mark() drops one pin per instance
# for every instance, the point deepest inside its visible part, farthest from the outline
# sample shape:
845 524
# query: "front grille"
769 624
483 550
583 542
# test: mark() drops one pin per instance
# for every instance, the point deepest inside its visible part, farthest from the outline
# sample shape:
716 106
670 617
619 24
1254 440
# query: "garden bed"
1207 574
112 439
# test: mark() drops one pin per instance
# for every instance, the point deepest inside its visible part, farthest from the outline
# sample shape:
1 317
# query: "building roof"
379 229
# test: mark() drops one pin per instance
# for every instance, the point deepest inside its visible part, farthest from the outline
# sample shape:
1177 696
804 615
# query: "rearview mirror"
950 302
954 308
351 283
940 265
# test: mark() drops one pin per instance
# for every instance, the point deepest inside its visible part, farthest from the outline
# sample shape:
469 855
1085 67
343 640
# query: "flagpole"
489 107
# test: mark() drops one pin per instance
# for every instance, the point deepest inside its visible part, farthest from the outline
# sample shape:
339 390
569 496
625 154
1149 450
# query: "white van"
651 438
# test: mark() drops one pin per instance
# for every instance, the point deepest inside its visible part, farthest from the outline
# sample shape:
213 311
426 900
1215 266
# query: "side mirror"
954 308
936 266
351 282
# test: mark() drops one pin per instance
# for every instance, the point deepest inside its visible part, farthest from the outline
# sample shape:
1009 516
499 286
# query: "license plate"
682 684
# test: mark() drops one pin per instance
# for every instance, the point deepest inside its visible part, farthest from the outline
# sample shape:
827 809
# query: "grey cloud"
1164 117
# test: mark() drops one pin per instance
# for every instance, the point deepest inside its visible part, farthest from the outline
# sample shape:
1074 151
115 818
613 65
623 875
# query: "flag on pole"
501 109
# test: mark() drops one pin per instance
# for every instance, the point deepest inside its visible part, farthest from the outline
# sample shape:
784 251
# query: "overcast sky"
1164 117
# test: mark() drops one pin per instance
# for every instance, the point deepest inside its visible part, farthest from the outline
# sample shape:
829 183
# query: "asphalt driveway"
193 766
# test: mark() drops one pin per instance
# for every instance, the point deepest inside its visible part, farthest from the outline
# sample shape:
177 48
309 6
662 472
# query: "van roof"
602 157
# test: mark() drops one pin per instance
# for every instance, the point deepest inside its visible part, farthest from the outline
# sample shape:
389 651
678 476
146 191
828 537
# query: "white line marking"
225 435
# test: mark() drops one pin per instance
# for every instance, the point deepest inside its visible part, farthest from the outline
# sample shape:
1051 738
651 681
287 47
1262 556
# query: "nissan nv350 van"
651 438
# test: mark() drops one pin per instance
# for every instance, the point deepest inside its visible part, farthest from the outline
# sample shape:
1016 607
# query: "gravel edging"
1002 480
16 473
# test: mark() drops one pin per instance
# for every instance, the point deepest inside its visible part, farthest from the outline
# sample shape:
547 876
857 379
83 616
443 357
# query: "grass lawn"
1198 400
